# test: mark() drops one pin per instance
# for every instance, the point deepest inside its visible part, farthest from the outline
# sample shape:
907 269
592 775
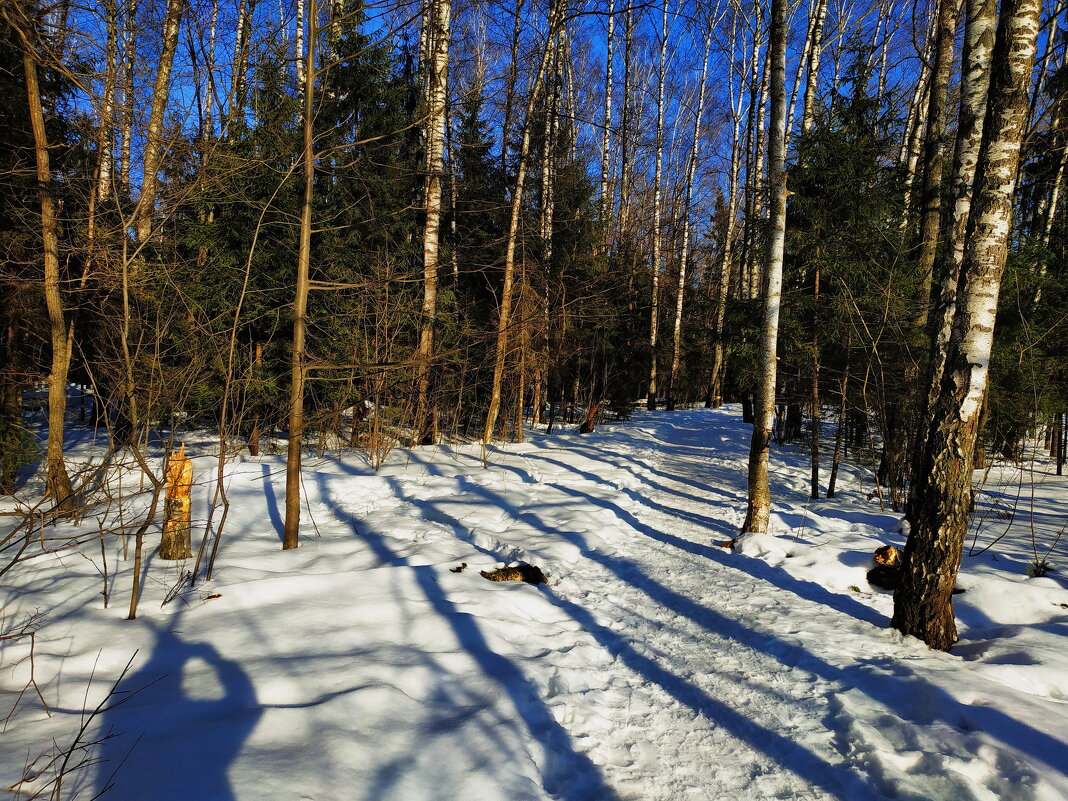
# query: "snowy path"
654 666
739 680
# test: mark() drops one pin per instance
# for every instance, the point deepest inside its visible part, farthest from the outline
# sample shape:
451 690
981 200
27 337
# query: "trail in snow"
654 666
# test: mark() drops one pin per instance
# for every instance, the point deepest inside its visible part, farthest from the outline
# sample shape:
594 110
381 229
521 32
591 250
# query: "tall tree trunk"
687 203
814 390
235 103
298 31
923 605
759 506
832 482
437 94
715 395
153 151
979 30
654 291
57 481
291 534
105 141
808 114
504 315
126 114
509 91
934 154
625 160
606 134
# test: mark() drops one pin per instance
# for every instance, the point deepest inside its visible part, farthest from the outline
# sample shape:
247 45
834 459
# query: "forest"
339 225
659 294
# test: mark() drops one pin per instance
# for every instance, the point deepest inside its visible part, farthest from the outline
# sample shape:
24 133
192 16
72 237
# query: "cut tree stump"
177 524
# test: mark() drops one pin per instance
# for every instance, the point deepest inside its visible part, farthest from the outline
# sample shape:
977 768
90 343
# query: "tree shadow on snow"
800 760
173 728
894 685
272 502
569 775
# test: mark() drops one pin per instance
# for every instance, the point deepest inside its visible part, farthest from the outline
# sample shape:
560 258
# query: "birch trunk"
923 604
808 113
127 113
298 26
146 204
509 93
437 95
100 190
625 169
916 122
106 136
715 394
606 135
237 76
979 30
759 506
654 309
291 534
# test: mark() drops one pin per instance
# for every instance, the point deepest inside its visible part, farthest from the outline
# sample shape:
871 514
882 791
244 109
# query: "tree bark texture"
923 605
437 96
979 30
177 540
759 506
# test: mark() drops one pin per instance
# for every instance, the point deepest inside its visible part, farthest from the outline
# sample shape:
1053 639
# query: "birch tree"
436 94
758 511
923 604
654 291
979 28
606 134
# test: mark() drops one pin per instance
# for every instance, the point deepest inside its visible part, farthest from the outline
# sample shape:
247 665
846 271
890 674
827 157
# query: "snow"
654 665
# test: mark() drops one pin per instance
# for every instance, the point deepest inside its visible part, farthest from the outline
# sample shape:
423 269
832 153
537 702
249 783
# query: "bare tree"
658 172
291 534
687 204
57 480
426 425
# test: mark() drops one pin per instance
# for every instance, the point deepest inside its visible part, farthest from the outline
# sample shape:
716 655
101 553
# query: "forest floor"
653 665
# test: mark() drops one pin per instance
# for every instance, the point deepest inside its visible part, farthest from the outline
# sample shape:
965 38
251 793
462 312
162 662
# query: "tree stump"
177 525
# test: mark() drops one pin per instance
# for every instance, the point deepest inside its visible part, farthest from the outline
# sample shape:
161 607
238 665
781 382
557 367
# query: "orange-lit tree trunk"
57 481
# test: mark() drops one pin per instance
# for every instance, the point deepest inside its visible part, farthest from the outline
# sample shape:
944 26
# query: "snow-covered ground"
654 665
